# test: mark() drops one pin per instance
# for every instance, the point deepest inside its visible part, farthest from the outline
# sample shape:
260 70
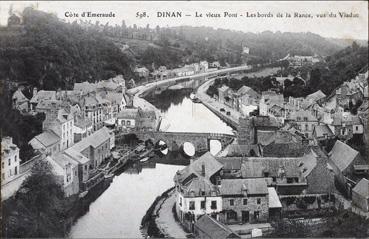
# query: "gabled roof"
43 95
19 96
256 166
322 130
362 188
236 186
45 139
342 155
223 88
94 140
211 166
308 163
247 90
315 96
213 228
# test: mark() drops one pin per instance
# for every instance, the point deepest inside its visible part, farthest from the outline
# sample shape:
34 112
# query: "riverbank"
215 106
159 220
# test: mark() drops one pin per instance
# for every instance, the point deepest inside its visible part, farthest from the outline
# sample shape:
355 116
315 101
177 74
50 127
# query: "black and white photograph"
184 119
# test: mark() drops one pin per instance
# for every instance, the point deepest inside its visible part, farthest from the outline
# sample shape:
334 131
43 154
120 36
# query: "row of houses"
187 70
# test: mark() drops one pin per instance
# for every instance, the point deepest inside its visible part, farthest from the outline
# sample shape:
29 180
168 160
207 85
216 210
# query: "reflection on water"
119 210
167 98
185 116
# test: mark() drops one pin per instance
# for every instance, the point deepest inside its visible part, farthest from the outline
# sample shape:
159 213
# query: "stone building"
244 200
96 147
9 160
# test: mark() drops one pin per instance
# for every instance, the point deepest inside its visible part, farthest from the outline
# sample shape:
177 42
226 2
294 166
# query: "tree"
42 195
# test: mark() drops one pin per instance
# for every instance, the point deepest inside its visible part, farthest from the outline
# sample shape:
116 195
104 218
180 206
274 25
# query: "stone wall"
251 207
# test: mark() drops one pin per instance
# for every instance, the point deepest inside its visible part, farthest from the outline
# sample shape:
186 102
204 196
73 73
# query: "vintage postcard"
184 119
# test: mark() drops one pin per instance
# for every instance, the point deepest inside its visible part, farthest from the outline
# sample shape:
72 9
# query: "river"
119 210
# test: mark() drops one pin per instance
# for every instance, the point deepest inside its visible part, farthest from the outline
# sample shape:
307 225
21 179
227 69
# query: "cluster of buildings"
187 70
78 132
293 149
298 61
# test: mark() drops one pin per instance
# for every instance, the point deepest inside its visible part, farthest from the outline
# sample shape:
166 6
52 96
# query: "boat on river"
194 98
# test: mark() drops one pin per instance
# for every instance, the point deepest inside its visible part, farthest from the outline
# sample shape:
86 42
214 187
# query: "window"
274 179
305 118
202 193
289 180
266 174
192 205
15 158
9 161
231 202
244 201
298 118
86 167
2 165
258 201
128 122
213 205
202 204
256 215
15 170
3 176
180 201
123 122
357 128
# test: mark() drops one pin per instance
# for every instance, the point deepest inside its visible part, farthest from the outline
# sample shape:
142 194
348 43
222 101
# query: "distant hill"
186 44
347 42
51 54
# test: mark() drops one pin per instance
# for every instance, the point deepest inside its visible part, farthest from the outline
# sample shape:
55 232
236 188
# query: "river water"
119 210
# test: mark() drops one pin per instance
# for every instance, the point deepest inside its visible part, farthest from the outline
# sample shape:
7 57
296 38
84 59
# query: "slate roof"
94 140
46 139
315 96
213 228
265 121
322 130
288 149
362 188
247 90
237 150
43 95
342 155
77 156
211 167
230 163
251 185
256 166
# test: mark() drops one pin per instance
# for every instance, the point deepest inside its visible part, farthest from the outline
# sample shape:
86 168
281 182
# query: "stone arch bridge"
174 140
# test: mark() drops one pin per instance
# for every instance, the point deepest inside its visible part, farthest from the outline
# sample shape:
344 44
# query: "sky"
336 27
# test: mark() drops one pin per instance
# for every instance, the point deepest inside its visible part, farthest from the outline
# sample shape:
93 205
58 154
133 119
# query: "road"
215 105
141 89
